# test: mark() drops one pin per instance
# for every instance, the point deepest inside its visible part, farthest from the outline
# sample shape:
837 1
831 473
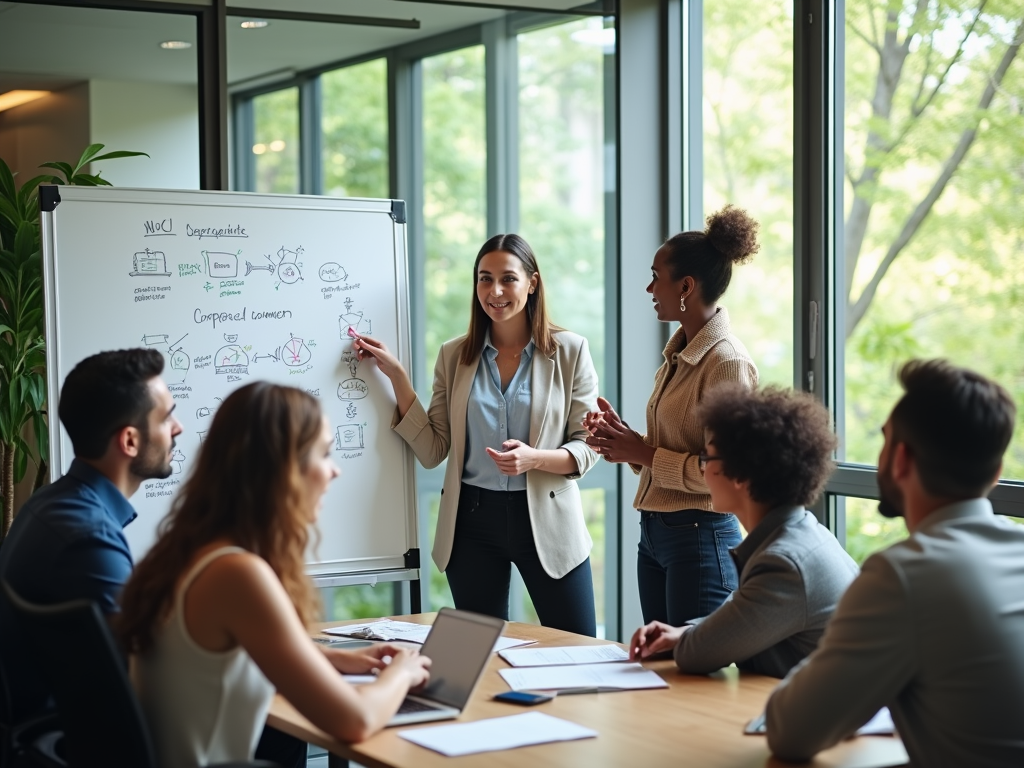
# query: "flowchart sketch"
352 389
221 265
294 352
231 359
349 438
332 272
354 320
177 462
149 263
178 361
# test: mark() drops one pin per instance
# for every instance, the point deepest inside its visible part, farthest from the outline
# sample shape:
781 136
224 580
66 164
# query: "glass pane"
354 123
748 161
561 198
933 255
276 144
454 222
867 531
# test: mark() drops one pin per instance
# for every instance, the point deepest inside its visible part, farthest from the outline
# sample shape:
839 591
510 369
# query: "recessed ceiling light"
175 45
255 23
16 98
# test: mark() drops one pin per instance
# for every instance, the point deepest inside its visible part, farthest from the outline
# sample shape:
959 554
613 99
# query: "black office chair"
101 719
17 736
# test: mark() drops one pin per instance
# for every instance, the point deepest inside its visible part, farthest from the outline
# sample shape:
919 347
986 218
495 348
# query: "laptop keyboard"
411 705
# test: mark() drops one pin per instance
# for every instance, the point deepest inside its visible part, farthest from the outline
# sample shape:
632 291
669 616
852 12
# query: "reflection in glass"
354 126
276 141
748 161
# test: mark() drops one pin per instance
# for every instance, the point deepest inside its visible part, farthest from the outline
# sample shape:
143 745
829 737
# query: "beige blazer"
564 389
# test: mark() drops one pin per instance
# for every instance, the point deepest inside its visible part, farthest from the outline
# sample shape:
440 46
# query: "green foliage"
354 125
276 133
22 344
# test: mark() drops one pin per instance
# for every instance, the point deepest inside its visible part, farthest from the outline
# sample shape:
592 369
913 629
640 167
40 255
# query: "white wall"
159 119
53 128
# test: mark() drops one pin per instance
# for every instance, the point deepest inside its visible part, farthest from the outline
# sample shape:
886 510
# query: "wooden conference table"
697 721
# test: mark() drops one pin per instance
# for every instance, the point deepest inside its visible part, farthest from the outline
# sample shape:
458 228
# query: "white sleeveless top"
202 706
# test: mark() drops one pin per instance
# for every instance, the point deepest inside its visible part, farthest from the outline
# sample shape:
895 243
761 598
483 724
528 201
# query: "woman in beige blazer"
507 410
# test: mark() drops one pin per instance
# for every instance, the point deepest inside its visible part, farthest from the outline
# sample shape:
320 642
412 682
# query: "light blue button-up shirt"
493 417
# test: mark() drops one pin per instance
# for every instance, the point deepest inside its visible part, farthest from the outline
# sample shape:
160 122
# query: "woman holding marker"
684 569
508 401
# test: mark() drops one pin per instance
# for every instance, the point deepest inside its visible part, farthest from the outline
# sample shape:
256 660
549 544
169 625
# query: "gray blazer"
564 389
792 574
934 629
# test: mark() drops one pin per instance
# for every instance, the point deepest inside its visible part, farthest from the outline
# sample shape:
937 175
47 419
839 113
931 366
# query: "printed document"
600 677
496 734
387 630
573 654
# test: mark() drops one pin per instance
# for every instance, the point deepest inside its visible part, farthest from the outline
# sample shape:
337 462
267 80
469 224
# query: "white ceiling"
48 47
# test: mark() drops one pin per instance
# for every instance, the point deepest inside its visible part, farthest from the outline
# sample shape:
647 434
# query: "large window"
354 130
276 146
933 238
748 162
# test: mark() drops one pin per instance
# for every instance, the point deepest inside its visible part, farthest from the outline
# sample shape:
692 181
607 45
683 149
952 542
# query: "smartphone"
524 698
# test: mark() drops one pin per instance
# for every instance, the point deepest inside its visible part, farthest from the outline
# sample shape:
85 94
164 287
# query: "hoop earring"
682 303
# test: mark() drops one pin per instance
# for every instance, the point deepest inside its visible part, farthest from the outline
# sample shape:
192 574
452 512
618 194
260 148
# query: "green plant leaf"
10 212
119 153
7 188
87 155
25 193
25 240
64 168
42 432
87 180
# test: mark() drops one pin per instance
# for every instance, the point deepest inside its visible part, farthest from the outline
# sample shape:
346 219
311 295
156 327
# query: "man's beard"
890 501
151 461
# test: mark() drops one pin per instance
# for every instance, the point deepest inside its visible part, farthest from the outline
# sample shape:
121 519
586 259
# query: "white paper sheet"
496 734
630 676
572 654
879 725
388 630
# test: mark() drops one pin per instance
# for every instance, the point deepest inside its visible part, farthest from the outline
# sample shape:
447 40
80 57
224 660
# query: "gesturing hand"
613 439
514 458
653 639
366 346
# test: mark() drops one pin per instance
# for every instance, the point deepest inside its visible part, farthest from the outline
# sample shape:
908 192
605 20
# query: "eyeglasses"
703 459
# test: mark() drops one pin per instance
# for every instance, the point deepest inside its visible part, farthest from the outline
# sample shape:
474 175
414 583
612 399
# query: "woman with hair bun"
684 569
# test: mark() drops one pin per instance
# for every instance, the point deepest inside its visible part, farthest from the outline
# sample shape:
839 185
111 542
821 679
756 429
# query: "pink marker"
352 332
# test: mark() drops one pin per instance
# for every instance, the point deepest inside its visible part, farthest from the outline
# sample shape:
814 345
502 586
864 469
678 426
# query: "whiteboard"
232 288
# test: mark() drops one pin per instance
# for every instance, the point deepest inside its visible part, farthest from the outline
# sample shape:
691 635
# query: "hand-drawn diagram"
178 361
348 357
286 266
351 411
231 359
332 272
222 265
294 353
204 412
349 438
176 462
352 389
149 263
354 320
202 436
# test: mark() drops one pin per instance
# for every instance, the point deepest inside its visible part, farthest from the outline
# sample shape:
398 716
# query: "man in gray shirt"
933 627
767 454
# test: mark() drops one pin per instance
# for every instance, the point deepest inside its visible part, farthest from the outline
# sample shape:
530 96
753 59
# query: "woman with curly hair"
683 565
216 614
768 454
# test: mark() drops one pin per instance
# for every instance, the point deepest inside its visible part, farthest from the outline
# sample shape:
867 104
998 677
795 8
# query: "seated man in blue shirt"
67 541
933 627
768 454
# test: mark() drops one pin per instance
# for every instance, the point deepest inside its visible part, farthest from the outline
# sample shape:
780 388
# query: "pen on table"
587 689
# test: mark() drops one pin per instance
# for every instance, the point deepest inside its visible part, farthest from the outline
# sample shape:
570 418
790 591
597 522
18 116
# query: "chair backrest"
102 720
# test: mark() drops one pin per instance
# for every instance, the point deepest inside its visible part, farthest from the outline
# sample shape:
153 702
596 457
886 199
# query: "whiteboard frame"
324 574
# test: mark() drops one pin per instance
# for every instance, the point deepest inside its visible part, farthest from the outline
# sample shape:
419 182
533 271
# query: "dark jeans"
684 568
493 531
278 747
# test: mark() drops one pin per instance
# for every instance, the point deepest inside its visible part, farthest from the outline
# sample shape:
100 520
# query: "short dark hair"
780 441
957 425
105 393
730 237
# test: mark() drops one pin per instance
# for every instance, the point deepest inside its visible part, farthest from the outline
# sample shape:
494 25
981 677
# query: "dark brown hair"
105 393
956 423
729 238
246 487
780 441
541 328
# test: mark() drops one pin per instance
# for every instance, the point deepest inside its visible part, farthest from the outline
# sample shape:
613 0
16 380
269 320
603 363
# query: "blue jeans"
493 531
683 567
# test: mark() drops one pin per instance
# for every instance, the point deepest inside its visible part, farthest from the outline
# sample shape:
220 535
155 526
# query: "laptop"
459 646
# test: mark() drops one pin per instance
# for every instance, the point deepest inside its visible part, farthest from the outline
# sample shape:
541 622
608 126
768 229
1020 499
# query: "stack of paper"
387 630
599 677
496 734
574 654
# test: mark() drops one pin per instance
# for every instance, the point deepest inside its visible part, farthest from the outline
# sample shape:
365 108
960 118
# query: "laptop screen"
459 645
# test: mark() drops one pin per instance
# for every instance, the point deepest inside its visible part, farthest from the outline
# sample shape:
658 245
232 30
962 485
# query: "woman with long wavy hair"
217 612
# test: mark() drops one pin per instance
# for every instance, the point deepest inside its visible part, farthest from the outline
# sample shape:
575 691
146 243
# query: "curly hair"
779 441
729 238
247 487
